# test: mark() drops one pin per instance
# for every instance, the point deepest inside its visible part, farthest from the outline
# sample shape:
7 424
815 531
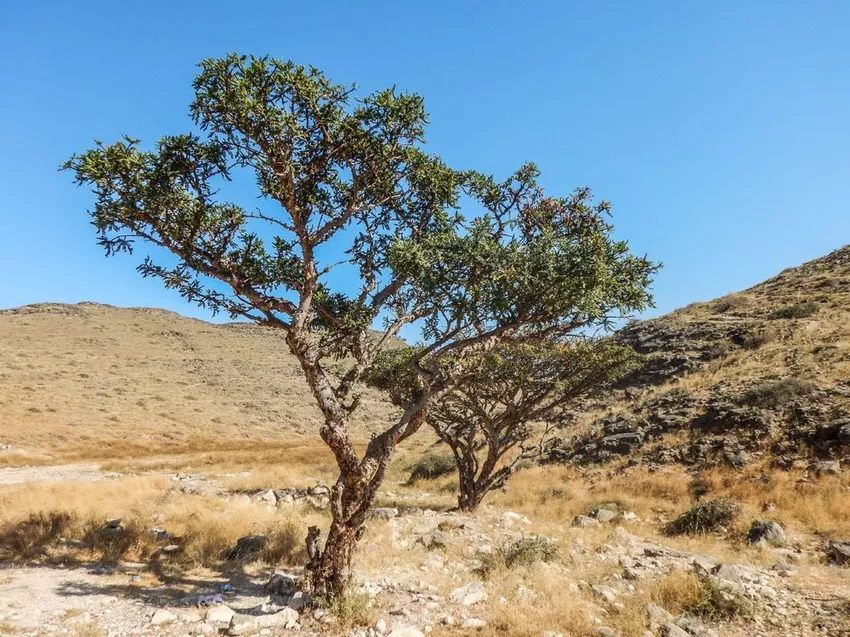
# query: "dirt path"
55 473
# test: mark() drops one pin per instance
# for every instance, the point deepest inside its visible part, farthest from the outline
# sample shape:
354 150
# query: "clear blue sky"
720 130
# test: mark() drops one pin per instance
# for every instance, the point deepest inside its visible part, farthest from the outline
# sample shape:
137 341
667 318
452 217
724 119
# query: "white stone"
469 594
162 616
473 623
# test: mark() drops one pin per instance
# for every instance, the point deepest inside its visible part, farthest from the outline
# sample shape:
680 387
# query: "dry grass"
94 381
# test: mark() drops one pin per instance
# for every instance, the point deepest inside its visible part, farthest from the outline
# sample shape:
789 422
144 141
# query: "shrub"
732 302
798 310
705 517
430 466
776 394
113 544
525 551
716 601
29 537
351 610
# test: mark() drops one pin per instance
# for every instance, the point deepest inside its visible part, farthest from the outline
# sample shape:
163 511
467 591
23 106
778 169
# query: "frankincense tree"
344 182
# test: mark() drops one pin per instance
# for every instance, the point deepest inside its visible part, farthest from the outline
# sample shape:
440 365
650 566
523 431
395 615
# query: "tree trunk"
469 497
332 570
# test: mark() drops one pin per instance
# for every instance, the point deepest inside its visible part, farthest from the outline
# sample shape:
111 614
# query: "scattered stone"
766 532
471 623
657 615
300 600
839 552
405 631
672 630
827 467
220 615
604 515
381 625
728 573
470 594
280 584
247 547
606 592
584 521
243 624
163 616
113 523
604 631
384 513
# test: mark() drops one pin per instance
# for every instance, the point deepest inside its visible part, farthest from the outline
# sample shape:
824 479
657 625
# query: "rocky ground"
427 570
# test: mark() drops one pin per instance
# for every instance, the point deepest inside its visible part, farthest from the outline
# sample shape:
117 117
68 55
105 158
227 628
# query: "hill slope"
96 379
763 371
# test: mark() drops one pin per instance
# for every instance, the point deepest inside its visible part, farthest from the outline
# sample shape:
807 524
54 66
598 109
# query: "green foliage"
430 466
798 310
706 517
776 394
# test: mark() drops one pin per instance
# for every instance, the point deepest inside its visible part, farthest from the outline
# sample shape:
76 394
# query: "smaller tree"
503 411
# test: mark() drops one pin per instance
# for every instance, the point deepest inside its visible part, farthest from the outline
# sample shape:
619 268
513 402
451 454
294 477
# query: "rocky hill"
760 374
94 379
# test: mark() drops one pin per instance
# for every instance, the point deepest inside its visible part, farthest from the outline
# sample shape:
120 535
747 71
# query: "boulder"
163 616
766 532
280 584
220 615
247 546
470 594
384 513
471 623
839 552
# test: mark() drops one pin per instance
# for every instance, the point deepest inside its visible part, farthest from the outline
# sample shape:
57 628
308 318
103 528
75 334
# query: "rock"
604 631
844 433
300 600
163 616
473 623
435 540
405 631
621 444
672 630
523 592
606 592
248 546
839 552
470 594
280 584
827 467
728 573
658 615
220 615
243 624
509 518
584 521
766 532
384 513
381 626
783 567
604 515
113 523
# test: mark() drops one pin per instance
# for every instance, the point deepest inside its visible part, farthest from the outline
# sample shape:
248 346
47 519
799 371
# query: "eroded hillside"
761 373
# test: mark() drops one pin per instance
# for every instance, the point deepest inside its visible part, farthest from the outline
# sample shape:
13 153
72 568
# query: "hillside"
763 373
95 380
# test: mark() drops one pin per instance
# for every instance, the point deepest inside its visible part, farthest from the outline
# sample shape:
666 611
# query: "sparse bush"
351 610
285 545
798 310
776 394
699 487
430 466
705 517
114 544
717 601
29 537
525 551
732 302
